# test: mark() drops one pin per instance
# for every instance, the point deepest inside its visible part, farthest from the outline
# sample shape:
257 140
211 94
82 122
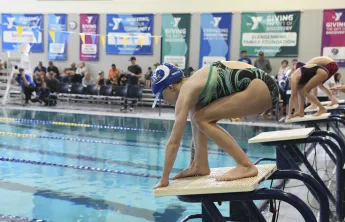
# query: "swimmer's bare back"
320 60
194 86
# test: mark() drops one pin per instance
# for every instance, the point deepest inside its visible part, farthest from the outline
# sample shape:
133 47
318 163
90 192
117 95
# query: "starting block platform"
341 102
310 110
206 190
209 185
308 118
289 156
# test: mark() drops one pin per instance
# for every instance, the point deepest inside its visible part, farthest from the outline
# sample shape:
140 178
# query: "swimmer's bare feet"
321 111
239 172
298 115
333 102
193 171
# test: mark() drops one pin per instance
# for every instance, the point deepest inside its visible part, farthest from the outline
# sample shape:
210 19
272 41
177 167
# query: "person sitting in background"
263 63
54 69
52 81
122 81
148 77
27 84
40 68
45 96
293 66
114 72
67 76
101 79
244 58
38 79
87 80
283 70
80 72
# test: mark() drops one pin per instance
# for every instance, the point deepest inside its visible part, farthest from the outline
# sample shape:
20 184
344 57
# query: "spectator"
122 81
54 69
283 70
52 81
135 72
101 79
263 63
148 77
67 75
27 84
293 67
38 79
87 80
114 72
80 72
40 68
45 94
244 58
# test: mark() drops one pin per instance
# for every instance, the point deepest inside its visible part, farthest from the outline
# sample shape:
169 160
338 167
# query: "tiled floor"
287 213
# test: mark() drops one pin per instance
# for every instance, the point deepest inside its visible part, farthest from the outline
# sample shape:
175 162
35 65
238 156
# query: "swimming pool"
132 149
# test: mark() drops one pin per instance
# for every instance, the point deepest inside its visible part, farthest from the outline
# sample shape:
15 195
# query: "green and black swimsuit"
223 81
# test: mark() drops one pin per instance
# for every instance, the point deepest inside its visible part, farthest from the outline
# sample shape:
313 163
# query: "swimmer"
222 90
332 68
307 78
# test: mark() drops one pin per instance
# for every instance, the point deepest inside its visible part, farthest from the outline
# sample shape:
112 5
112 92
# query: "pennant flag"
93 37
133 39
52 35
103 40
19 31
82 36
141 41
67 37
36 34
156 39
125 40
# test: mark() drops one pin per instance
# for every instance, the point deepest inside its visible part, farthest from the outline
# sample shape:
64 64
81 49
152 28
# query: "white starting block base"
308 118
282 135
309 110
209 185
328 102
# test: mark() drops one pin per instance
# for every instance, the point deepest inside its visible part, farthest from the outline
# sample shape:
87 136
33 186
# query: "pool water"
136 148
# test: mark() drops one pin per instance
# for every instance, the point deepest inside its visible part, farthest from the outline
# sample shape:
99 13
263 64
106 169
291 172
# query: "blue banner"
21 29
57 24
214 38
129 34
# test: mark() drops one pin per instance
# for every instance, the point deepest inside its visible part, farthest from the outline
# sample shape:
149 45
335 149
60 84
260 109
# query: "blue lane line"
77 167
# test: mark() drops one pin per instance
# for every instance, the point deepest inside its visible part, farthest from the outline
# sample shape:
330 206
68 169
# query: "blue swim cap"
163 76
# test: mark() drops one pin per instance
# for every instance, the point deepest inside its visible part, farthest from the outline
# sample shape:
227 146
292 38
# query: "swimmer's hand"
162 183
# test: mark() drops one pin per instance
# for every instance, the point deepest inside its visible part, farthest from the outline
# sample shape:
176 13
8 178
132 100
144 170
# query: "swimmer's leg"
315 81
241 104
300 104
314 92
199 165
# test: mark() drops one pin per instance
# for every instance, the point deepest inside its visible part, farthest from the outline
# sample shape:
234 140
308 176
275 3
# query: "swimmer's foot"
239 172
333 102
297 115
312 107
193 171
321 111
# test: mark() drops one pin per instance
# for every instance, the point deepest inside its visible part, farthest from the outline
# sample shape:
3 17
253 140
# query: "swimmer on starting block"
307 77
222 90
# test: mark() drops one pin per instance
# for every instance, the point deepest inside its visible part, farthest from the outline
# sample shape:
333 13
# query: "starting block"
309 118
206 190
310 110
341 102
289 156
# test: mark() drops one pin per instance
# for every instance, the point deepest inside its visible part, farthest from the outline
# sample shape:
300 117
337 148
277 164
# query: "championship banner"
21 29
138 29
175 39
57 24
89 29
333 35
276 33
214 38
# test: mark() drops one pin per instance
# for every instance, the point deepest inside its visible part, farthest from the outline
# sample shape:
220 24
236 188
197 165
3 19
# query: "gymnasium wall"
159 6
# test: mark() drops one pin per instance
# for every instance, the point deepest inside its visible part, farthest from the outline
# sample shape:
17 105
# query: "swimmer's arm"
183 105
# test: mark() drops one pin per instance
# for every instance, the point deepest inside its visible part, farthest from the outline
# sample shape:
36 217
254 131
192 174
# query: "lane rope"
77 167
46 122
20 219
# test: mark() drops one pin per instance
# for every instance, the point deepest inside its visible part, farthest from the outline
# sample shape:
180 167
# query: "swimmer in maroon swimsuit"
304 80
